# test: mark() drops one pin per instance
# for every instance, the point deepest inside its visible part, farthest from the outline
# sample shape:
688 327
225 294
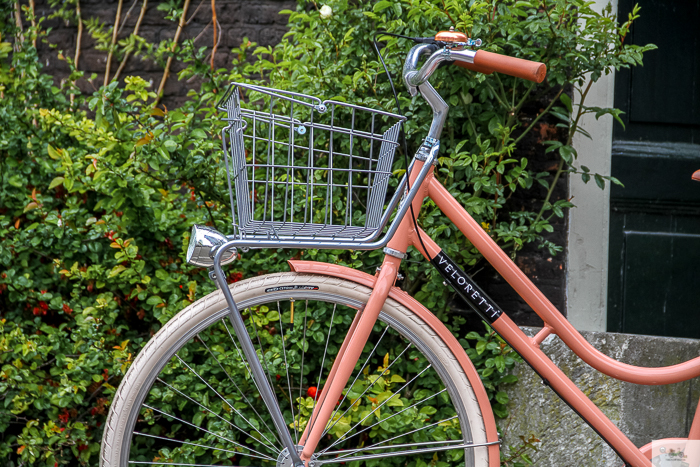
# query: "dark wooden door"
654 267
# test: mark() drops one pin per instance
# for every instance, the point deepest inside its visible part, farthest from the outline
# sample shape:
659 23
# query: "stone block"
93 60
235 35
271 35
229 13
138 65
263 14
643 413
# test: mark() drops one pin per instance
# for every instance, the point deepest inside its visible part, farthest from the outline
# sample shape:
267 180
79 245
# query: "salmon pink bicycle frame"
405 233
527 347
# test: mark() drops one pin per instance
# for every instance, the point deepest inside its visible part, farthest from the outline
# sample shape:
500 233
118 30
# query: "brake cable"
422 40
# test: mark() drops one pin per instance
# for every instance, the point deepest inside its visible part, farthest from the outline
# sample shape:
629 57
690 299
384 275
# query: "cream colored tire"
142 374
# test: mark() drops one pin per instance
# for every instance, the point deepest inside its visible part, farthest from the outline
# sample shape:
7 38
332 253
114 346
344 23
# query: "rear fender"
343 272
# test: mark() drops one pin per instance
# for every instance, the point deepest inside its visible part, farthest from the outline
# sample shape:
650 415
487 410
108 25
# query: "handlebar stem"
416 78
439 107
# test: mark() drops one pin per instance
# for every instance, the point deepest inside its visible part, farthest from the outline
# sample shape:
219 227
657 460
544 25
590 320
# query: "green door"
654 265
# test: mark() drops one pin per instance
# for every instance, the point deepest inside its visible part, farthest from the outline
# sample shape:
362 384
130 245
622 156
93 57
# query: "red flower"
44 306
312 392
66 309
82 447
235 277
64 416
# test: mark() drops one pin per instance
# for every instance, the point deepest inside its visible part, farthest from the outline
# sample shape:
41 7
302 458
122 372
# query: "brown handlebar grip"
526 69
476 68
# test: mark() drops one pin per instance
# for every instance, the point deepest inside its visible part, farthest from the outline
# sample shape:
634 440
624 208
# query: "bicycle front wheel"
188 398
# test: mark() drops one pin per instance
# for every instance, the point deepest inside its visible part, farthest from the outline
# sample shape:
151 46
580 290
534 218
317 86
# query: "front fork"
349 354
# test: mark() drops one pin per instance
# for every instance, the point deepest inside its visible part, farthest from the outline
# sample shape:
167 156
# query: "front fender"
359 277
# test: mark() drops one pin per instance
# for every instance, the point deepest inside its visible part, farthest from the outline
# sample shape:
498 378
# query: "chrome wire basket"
303 169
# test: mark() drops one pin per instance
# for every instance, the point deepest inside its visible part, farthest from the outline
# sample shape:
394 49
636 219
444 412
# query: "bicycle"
307 173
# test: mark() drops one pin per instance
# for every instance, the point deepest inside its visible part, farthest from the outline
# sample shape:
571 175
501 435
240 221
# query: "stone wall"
643 413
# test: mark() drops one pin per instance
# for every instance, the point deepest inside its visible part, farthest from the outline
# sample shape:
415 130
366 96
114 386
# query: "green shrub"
97 193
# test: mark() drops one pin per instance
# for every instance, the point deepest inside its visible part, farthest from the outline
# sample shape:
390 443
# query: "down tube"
551 375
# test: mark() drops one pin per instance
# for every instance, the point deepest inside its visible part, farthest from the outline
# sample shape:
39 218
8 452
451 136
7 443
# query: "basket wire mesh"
300 168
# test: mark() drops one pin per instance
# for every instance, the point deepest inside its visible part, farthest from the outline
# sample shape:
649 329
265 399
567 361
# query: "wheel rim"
398 398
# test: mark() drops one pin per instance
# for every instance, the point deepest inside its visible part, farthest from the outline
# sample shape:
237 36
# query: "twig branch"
33 20
78 41
213 20
194 13
126 17
166 72
136 32
115 33
18 23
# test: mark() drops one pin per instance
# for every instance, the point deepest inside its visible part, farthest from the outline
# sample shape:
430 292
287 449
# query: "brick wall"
258 21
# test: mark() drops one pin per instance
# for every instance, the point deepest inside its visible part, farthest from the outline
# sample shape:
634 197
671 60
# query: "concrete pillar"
587 265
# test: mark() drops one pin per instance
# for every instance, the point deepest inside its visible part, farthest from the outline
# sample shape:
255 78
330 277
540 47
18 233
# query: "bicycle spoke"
215 414
221 397
365 392
286 369
398 436
239 390
240 353
200 445
393 446
262 351
353 384
385 419
430 450
250 374
172 463
206 431
320 373
303 353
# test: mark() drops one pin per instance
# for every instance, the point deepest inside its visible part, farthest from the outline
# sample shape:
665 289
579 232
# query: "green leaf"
54 153
568 154
170 145
198 418
502 397
154 300
600 181
55 182
197 133
381 6
116 270
566 100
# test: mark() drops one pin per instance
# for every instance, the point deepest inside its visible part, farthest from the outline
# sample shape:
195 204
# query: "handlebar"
448 46
480 61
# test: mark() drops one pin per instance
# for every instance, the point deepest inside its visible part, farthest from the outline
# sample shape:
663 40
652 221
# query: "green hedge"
98 192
